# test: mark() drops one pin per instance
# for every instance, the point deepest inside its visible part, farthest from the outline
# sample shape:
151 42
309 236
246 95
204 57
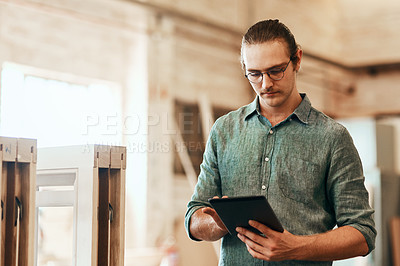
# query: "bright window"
58 112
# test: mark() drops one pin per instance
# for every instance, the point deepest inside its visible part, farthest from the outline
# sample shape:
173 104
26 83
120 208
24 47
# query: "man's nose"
267 81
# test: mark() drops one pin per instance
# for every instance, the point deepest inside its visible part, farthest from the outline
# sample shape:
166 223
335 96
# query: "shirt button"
263 187
271 132
266 159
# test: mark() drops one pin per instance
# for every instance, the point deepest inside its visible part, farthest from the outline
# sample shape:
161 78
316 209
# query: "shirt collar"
301 112
252 108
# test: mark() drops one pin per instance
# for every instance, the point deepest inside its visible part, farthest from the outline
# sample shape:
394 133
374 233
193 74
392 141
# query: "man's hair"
270 30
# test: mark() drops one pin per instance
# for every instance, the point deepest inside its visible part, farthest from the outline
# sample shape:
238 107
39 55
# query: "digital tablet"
237 211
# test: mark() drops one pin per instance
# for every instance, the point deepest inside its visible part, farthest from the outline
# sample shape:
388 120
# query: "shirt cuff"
368 234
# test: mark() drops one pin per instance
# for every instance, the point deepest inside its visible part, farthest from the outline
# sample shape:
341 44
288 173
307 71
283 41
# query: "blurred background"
153 75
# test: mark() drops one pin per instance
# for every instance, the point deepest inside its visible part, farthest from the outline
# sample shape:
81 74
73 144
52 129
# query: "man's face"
272 56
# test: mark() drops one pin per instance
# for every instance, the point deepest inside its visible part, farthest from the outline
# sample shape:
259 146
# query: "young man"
281 147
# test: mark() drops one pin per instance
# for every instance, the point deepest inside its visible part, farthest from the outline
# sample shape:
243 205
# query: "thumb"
214 215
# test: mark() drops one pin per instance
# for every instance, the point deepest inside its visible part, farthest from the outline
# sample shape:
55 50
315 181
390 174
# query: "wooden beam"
103 218
395 240
183 154
10 231
206 114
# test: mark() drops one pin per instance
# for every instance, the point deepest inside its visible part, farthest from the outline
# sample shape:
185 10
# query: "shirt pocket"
301 180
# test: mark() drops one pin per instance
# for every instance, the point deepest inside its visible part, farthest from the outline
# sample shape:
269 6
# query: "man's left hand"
272 245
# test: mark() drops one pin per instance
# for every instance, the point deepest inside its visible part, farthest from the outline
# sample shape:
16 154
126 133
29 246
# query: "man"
281 147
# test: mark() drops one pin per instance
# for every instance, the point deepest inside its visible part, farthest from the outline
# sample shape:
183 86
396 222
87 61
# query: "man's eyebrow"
281 65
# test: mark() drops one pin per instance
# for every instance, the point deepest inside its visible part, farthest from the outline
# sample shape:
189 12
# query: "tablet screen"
237 211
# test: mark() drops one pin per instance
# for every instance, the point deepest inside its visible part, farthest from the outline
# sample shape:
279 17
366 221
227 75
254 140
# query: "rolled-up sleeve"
347 191
208 184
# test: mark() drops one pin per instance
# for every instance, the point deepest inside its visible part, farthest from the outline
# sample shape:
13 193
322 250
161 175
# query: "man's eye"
275 71
254 74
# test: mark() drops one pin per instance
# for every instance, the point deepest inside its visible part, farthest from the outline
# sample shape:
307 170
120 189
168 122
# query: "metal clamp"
18 206
111 212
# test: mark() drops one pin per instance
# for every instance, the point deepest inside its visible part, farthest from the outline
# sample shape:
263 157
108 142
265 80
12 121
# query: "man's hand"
217 220
341 243
205 224
272 245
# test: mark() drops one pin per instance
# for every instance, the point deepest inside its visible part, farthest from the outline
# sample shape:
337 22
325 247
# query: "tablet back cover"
237 211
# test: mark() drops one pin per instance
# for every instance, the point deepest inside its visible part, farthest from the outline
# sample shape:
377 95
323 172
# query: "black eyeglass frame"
269 74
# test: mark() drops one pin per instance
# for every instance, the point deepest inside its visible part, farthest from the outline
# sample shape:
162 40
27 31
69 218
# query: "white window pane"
55 236
58 113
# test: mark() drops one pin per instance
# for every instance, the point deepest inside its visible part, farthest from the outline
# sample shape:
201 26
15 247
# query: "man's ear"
298 56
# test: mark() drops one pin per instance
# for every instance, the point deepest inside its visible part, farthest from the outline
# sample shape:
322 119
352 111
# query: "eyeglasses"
274 74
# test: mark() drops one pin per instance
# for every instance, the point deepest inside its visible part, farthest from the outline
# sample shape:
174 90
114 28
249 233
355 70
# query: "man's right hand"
210 211
205 224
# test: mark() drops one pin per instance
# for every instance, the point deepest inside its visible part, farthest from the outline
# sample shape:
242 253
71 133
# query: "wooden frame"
395 240
17 189
98 175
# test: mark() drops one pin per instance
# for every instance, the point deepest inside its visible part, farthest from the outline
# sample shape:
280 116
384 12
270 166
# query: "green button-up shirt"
306 166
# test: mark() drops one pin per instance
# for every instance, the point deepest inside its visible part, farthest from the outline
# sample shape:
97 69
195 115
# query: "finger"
251 235
244 239
209 211
241 237
262 228
214 215
253 248
256 254
224 197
